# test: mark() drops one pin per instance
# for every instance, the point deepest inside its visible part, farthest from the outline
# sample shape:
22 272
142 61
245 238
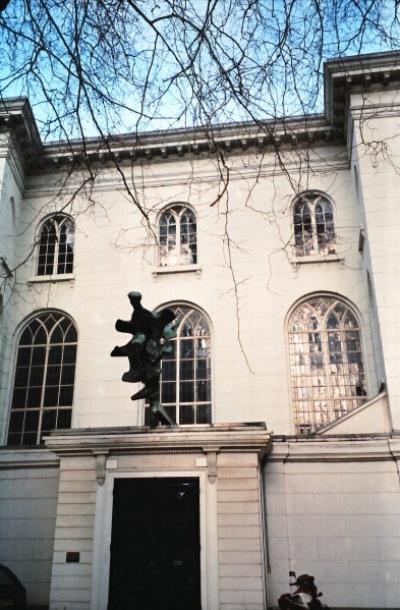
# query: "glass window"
177 237
185 383
314 230
326 362
56 246
44 379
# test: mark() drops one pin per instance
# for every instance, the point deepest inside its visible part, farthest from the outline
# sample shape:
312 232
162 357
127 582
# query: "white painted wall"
114 254
376 153
337 520
28 502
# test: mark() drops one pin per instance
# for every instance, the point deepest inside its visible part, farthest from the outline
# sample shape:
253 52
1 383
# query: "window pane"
57 335
24 355
203 414
186 391
187 349
38 355
66 393
64 419
29 439
16 421
69 354
68 374
19 398
49 420
71 335
187 369
168 370
31 421
34 397
14 440
168 392
203 391
51 397
22 376
53 375
40 337
186 414
55 354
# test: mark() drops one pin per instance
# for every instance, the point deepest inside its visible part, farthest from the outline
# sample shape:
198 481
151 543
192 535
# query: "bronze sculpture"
151 333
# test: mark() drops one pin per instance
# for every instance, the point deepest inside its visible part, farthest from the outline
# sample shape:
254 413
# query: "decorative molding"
101 463
177 269
211 455
335 449
27 458
316 258
200 438
62 277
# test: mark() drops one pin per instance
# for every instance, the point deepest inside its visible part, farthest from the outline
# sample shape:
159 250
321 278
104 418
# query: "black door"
155 546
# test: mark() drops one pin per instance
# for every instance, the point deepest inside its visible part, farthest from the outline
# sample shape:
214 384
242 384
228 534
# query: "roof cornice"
341 76
360 73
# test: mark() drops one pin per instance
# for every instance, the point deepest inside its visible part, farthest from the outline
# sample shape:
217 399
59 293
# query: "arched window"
177 237
44 379
314 230
56 246
326 362
185 386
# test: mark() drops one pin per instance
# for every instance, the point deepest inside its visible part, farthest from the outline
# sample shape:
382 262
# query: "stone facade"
271 499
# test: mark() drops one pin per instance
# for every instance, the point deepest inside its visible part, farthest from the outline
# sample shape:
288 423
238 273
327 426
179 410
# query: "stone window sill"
62 277
316 258
178 269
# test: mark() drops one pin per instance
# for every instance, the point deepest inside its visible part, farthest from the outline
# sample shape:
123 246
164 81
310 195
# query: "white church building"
278 246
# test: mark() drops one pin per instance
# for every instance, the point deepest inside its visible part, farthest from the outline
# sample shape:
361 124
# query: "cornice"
203 439
341 77
343 449
27 458
361 73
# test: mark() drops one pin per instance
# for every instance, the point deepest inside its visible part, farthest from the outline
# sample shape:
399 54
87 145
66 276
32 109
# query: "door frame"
102 535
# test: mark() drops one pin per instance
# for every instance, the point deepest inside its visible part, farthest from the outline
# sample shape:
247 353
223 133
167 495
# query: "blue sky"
260 60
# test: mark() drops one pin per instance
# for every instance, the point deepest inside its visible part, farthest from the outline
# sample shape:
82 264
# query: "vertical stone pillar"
73 545
377 154
240 534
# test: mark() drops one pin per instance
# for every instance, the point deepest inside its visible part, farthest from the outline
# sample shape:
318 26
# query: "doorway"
155 544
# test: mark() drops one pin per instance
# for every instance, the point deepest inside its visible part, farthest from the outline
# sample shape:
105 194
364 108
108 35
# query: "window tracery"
177 237
326 362
314 230
185 385
44 379
56 246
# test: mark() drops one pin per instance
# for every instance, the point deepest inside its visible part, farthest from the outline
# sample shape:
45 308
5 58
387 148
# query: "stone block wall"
71 582
28 504
240 533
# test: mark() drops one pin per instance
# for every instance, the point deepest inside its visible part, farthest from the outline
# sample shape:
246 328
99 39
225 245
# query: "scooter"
305 596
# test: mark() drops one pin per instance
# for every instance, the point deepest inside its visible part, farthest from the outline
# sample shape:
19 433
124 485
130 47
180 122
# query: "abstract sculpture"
151 333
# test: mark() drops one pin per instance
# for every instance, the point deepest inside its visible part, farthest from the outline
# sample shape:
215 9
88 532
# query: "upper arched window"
326 362
185 385
314 230
44 379
56 246
177 236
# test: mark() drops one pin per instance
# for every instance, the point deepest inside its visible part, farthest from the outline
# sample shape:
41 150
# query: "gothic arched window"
326 362
185 385
314 230
56 246
44 379
177 237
